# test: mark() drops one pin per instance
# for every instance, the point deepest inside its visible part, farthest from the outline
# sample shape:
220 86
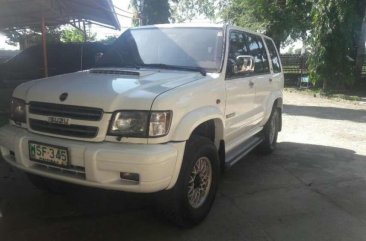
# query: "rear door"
274 57
263 77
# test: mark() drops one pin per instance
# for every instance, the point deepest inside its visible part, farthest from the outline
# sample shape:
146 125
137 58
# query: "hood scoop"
113 71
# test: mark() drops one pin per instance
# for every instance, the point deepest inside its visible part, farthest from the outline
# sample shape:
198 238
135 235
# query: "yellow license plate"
48 154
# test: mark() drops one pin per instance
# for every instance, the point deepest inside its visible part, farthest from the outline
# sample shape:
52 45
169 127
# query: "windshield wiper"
176 67
117 66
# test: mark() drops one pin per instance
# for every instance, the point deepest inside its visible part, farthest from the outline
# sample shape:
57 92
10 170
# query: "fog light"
130 176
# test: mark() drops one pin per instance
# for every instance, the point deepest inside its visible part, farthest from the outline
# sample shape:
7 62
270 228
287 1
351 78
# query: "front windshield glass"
181 47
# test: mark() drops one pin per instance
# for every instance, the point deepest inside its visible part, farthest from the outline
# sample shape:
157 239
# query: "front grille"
64 130
67 111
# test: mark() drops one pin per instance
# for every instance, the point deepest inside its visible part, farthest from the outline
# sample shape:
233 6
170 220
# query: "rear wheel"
49 185
189 202
270 133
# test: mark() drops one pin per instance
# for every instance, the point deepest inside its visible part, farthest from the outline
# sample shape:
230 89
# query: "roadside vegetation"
353 96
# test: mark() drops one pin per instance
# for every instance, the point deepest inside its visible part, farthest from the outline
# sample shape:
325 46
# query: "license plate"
48 154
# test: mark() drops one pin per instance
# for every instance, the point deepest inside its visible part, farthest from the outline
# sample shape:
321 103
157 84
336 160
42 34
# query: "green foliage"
187 10
76 35
108 40
279 19
332 38
150 11
29 37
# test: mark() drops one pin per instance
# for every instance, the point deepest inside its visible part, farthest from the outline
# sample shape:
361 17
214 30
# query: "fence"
295 65
7 54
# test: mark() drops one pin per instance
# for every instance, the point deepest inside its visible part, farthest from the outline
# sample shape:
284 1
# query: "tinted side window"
242 43
274 56
238 45
258 51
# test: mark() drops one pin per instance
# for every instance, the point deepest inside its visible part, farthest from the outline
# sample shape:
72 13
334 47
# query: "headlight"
129 124
140 123
17 110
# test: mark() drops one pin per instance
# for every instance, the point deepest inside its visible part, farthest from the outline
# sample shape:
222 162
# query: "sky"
101 32
125 22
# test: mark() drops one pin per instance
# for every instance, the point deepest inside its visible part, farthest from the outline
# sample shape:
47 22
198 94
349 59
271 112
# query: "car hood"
108 89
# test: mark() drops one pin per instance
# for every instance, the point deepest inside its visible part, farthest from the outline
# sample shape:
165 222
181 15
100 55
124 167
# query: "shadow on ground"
331 113
297 193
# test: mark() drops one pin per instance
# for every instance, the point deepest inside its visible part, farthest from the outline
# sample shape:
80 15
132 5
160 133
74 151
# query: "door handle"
251 84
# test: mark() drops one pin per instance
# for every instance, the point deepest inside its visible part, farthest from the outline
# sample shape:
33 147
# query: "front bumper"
98 164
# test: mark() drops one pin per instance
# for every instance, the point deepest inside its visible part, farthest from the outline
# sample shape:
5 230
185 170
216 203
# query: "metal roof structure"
39 13
28 13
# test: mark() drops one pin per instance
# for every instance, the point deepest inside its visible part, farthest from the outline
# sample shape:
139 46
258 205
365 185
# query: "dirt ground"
322 121
313 187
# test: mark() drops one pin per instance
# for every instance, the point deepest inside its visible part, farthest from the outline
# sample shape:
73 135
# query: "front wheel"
189 202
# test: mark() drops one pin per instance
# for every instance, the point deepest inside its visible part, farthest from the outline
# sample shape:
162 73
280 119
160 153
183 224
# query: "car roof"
200 25
183 25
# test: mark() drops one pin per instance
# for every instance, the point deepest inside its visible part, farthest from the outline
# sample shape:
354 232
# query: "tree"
360 38
31 36
334 24
108 40
150 11
76 35
279 19
187 10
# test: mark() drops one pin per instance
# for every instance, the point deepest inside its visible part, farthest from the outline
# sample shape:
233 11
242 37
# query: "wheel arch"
274 101
201 121
195 122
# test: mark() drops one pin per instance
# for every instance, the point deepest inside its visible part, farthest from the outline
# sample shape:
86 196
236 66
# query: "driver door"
240 91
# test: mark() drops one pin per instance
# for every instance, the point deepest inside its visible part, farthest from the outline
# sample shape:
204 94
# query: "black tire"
269 134
175 202
49 185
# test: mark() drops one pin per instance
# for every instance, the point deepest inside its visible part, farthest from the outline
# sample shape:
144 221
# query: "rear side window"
242 43
258 51
274 56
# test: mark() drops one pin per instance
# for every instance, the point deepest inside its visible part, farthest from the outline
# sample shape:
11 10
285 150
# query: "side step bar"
242 150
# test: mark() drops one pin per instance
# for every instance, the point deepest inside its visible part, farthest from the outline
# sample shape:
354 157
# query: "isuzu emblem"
59 120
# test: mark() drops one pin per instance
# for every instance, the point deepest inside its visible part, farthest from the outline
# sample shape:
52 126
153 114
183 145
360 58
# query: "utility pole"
44 46
141 10
360 55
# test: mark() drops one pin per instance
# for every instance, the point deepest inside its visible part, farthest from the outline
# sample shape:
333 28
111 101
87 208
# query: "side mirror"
244 64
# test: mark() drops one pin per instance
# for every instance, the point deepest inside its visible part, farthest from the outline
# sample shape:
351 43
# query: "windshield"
181 47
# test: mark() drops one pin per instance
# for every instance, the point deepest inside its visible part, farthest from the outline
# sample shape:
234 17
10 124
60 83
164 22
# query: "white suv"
168 108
